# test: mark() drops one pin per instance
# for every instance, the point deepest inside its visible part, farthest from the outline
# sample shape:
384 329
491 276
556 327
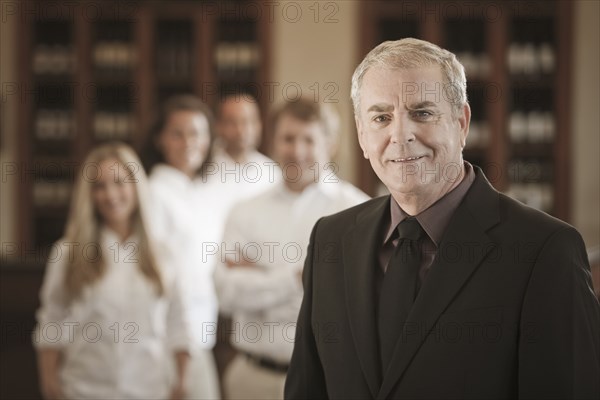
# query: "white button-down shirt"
271 232
189 216
241 181
186 214
119 337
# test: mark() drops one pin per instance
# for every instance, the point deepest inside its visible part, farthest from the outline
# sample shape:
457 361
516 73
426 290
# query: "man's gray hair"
414 53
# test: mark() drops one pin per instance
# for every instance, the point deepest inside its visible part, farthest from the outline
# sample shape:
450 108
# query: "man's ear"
464 121
361 137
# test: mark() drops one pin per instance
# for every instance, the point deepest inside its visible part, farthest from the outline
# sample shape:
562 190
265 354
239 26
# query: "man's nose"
402 130
299 150
236 127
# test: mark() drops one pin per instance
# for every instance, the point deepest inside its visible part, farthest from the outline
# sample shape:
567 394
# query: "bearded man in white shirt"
258 280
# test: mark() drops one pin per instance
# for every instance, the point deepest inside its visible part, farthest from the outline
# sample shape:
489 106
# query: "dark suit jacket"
507 310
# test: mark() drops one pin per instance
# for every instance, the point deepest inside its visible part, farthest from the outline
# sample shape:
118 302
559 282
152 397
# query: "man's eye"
423 115
381 118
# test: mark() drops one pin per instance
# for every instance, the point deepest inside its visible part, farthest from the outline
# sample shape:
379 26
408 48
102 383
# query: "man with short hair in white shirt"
236 172
237 168
258 278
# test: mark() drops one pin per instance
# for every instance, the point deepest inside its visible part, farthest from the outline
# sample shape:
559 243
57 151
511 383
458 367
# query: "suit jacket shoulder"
343 221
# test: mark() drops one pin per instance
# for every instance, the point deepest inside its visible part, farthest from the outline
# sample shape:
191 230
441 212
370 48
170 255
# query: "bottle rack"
467 38
236 55
53 54
52 61
531 61
50 106
174 53
516 57
113 50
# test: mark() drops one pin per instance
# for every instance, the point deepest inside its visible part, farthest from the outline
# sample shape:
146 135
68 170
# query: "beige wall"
586 122
8 137
322 52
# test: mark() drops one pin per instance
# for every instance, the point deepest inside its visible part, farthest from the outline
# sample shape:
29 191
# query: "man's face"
408 132
301 148
239 125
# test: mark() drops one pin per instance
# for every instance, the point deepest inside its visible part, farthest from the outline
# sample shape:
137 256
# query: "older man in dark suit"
446 288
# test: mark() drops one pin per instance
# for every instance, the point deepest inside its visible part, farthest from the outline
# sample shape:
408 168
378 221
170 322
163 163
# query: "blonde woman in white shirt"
111 313
190 213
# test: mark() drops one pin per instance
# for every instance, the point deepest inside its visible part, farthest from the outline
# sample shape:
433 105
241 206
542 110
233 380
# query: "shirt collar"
329 188
219 154
109 237
434 219
165 172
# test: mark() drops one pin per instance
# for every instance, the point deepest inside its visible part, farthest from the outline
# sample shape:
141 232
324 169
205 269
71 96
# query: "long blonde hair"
84 223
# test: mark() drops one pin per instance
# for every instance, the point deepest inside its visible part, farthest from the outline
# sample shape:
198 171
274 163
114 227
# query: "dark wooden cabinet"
19 287
96 71
517 57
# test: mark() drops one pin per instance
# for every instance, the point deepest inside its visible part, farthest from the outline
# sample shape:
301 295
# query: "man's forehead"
429 73
233 105
412 102
416 87
289 123
289 119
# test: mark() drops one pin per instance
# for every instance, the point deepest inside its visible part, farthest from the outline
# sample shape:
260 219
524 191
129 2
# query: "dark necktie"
398 289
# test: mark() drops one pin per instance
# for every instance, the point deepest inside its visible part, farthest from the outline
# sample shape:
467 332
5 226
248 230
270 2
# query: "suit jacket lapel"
360 260
464 246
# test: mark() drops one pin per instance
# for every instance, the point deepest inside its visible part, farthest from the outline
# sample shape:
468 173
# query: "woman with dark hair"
187 215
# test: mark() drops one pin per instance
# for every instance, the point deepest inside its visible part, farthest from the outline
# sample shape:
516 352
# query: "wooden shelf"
532 9
57 152
53 79
52 211
533 81
474 152
173 80
108 79
532 150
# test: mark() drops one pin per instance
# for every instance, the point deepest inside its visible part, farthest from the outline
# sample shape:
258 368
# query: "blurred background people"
189 216
111 312
237 168
237 171
258 277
